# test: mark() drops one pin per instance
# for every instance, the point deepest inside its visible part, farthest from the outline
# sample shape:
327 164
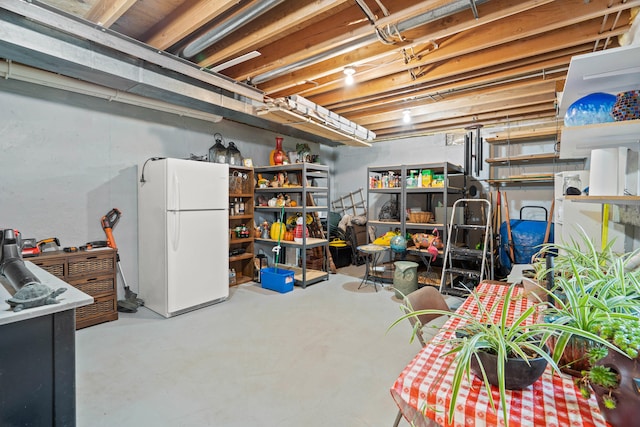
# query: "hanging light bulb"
406 116
349 72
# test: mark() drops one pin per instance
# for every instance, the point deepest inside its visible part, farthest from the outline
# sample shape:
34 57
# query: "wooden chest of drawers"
94 273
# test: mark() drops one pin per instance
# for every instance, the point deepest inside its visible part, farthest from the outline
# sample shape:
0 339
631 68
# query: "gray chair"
427 297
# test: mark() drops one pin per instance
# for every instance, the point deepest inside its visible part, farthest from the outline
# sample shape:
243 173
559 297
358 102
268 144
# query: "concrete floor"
314 357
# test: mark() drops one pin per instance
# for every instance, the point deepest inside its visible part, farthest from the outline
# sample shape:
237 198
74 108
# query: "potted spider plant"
590 288
504 354
599 292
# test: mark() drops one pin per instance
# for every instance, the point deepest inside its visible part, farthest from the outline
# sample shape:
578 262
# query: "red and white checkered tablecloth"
423 389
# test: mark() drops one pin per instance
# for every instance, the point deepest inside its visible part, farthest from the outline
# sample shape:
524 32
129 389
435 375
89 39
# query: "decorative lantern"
218 152
234 158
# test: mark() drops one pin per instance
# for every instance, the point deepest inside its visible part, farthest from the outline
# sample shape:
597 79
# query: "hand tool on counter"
49 244
94 245
30 247
131 302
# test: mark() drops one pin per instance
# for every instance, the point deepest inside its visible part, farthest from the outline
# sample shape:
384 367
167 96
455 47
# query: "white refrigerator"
183 235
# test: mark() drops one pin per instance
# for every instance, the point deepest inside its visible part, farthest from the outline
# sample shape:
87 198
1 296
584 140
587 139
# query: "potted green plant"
612 376
599 292
490 349
590 288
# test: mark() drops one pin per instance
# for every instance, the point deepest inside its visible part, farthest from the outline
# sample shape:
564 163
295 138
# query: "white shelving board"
610 71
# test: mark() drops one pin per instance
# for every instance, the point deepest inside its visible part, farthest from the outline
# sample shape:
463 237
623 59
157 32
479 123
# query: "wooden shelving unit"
516 164
242 263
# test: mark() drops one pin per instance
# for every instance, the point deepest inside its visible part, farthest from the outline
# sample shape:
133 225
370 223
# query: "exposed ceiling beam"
185 21
266 30
528 23
307 44
376 57
477 98
544 111
544 69
531 47
106 12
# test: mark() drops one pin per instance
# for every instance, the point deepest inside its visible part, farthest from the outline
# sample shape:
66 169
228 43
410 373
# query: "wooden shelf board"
312 275
523 179
242 279
580 140
616 200
311 242
292 189
531 159
524 136
246 255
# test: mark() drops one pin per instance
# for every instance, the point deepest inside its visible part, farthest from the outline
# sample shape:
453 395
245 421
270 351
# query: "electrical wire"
153 159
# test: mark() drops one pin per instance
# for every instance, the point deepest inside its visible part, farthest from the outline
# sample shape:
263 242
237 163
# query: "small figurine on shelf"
280 200
265 230
262 183
303 152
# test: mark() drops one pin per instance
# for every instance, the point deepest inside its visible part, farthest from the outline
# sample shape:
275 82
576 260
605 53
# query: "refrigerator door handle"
175 203
175 232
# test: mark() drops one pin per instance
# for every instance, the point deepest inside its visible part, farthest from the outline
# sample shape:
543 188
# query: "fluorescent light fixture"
235 61
406 116
349 72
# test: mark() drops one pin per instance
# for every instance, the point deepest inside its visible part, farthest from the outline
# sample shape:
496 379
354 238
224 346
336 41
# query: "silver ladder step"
463 272
459 252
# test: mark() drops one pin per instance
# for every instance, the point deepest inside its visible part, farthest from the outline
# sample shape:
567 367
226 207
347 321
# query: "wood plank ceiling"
447 63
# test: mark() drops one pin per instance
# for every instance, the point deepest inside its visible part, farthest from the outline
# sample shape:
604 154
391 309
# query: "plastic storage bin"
279 281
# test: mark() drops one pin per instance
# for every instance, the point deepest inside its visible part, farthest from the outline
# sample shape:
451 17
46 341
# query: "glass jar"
572 185
218 152
234 158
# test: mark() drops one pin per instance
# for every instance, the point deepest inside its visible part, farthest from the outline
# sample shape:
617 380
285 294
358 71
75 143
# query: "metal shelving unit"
426 198
308 186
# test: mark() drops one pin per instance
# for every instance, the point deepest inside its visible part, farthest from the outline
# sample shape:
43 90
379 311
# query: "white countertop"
70 299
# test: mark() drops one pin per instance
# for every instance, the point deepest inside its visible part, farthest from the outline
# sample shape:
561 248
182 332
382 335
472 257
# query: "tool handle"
509 236
110 240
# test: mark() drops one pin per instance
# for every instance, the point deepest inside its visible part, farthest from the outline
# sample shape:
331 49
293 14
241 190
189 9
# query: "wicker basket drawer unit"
103 309
94 273
85 264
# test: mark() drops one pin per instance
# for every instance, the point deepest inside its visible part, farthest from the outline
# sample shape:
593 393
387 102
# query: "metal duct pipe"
440 12
218 33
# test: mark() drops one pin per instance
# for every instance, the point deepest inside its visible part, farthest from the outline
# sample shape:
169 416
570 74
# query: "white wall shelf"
580 140
611 71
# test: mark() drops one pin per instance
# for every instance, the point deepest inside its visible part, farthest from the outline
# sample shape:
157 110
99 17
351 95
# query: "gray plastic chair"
427 297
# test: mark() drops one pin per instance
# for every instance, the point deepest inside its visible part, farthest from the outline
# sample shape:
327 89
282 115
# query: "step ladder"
464 266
